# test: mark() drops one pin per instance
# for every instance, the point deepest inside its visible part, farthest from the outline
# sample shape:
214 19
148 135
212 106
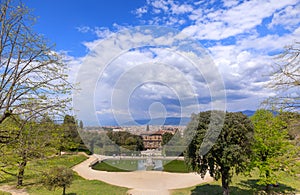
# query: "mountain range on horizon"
166 121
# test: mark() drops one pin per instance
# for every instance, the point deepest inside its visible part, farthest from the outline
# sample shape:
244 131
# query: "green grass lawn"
108 166
176 166
242 185
79 185
34 169
4 193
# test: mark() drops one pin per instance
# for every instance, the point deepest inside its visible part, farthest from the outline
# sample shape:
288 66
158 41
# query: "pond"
131 165
149 164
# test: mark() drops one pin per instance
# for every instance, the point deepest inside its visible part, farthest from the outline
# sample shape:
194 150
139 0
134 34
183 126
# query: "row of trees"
262 142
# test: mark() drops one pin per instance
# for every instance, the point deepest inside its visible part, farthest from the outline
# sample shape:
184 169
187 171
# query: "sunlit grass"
244 185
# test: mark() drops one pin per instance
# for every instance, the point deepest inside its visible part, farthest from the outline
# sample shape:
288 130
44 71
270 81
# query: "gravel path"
141 182
13 190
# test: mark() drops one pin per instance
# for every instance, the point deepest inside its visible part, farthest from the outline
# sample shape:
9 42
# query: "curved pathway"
13 190
141 182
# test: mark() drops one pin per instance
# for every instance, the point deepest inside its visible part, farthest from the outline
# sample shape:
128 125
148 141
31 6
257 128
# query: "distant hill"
168 121
173 120
160 121
248 112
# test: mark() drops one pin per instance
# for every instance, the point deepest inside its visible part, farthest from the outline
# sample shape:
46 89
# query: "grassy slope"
79 186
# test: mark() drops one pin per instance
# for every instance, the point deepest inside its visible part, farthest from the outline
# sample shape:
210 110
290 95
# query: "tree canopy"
58 177
229 154
272 150
126 140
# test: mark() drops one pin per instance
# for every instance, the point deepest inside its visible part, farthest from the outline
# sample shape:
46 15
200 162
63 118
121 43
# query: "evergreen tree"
231 151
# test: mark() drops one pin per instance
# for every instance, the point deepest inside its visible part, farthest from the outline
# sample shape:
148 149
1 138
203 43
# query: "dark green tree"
175 145
81 124
58 177
71 136
91 139
166 137
231 151
126 140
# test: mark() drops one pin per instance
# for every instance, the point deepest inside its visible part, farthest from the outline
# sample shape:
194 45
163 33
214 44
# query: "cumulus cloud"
146 66
241 38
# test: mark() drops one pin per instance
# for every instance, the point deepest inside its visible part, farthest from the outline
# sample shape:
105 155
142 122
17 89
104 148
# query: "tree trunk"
268 185
64 190
225 182
21 171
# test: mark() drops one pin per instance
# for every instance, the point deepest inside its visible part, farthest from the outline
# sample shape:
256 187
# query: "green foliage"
31 142
36 138
58 177
231 151
166 137
67 136
80 124
175 146
126 140
273 151
292 119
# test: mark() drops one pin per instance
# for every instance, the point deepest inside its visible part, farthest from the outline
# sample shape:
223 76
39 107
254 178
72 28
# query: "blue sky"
240 37
59 20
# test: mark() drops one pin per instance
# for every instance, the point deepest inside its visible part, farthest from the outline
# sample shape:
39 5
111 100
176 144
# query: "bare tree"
285 79
32 76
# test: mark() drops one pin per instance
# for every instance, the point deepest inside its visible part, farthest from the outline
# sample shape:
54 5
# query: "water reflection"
150 164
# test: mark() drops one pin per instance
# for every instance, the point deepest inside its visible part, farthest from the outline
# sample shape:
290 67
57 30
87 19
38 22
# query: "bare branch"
32 75
285 79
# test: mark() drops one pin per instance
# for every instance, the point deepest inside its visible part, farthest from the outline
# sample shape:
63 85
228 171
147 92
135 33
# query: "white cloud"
181 9
244 63
84 29
231 20
160 4
140 11
113 76
230 3
289 17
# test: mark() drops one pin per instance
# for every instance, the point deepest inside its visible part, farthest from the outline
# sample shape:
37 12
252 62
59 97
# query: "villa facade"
152 140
